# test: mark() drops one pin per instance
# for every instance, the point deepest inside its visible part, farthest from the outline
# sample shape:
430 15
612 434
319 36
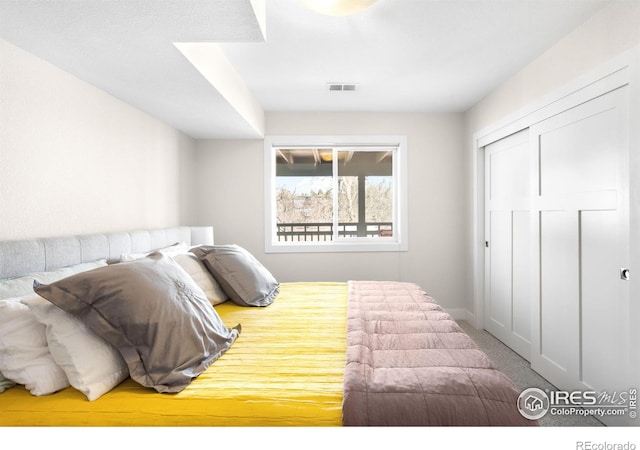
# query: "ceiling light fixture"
338 7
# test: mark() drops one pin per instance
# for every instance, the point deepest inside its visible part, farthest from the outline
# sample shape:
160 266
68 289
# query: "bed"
318 354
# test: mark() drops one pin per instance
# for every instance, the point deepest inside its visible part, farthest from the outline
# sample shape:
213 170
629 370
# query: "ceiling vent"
342 87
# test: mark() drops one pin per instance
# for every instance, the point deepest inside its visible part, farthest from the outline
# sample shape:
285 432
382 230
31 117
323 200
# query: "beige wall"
230 186
74 159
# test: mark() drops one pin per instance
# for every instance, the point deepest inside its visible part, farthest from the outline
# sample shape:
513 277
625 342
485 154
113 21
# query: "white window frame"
397 243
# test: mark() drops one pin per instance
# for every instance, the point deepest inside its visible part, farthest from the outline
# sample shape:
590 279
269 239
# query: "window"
335 194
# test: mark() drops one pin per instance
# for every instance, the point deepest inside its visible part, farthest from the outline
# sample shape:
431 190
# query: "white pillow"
5 383
24 354
93 366
16 287
203 278
172 250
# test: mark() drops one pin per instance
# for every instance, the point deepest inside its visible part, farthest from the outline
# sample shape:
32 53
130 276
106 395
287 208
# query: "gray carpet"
519 370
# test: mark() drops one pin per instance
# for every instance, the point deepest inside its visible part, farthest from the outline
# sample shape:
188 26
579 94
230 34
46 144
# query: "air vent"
342 87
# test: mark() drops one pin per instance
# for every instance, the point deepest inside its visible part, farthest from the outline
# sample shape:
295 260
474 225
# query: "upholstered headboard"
20 257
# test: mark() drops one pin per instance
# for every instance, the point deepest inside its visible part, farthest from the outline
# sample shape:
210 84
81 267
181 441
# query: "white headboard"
20 257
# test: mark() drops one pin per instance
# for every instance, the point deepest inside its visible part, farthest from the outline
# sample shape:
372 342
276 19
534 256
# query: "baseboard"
462 314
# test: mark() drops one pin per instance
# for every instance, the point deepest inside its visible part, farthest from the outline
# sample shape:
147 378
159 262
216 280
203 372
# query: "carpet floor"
520 372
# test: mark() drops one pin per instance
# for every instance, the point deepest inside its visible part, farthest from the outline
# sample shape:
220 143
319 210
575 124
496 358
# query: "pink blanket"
409 363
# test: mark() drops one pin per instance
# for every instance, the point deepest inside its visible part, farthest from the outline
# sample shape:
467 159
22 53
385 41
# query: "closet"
557 244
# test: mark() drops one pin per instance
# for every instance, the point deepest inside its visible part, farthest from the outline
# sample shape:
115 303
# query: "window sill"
333 247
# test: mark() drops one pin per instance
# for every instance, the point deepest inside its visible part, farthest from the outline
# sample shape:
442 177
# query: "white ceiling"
404 55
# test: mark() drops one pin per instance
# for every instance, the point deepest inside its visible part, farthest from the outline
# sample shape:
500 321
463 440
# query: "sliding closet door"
580 232
507 312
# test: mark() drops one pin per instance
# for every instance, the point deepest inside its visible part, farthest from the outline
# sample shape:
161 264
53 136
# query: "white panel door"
506 304
580 235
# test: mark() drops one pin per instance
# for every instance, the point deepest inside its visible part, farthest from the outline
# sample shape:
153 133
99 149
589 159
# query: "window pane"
304 195
379 205
348 206
365 193
335 194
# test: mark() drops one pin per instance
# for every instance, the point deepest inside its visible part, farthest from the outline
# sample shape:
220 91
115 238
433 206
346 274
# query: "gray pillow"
153 313
243 278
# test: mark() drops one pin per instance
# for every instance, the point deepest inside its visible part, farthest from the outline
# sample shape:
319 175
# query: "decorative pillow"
172 250
203 278
245 280
92 366
153 313
24 354
5 383
192 265
16 287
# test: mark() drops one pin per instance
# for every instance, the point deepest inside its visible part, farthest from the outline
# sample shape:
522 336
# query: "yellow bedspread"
285 369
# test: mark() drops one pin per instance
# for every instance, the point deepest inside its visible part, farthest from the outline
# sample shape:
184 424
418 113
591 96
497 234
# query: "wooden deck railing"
314 232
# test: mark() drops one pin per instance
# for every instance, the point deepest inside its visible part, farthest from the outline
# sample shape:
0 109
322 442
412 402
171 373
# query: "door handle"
624 274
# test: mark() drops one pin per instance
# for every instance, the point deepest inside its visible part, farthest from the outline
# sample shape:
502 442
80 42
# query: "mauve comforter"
409 363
